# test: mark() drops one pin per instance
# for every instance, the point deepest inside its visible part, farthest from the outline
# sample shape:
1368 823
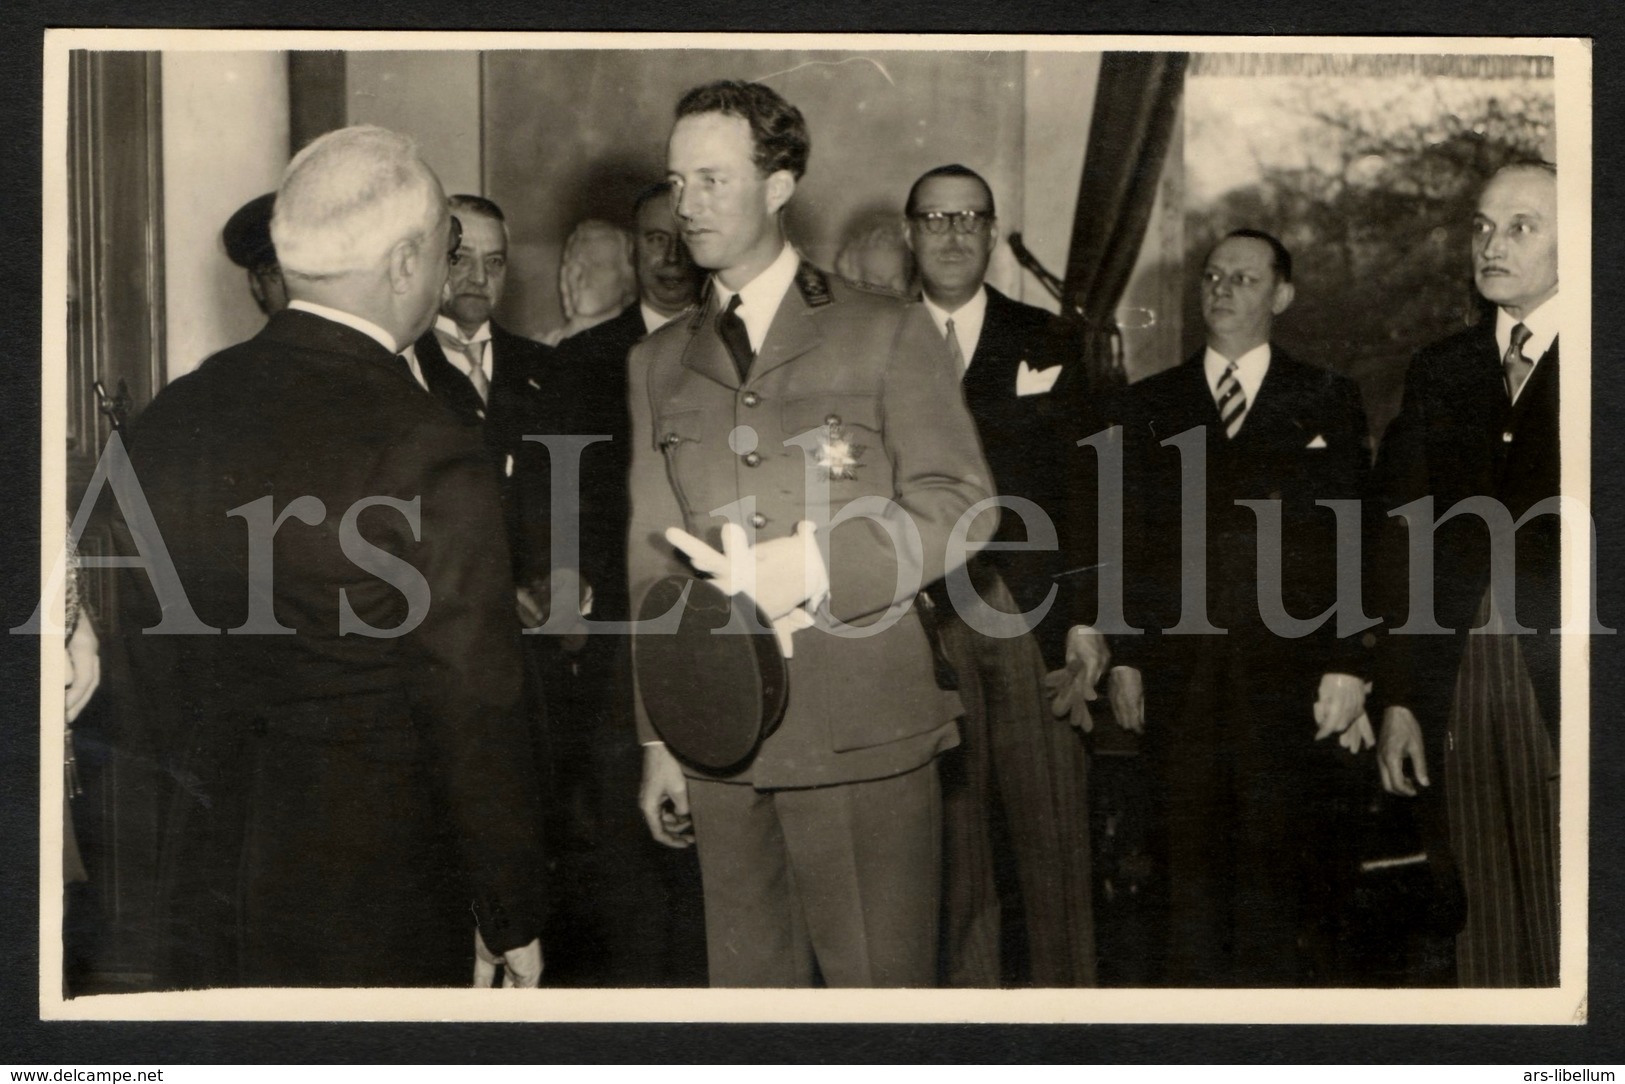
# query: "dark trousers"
1501 788
1255 820
1019 764
626 910
838 882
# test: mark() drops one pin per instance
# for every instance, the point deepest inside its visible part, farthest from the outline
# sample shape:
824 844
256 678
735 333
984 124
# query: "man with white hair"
596 279
355 801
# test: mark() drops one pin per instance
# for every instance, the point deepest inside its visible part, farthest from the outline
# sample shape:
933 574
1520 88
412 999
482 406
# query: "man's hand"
532 601
663 797
1401 740
1072 687
1340 701
779 575
1126 689
84 661
521 967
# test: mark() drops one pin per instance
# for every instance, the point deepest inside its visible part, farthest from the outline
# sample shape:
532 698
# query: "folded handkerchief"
1318 442
1030 381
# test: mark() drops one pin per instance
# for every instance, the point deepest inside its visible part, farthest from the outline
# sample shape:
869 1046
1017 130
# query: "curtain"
1136 105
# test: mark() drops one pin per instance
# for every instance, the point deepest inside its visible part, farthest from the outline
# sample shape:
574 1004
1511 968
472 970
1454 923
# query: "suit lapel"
447 382
508 375
1273 412
793 332
706 353
992 372
1541 387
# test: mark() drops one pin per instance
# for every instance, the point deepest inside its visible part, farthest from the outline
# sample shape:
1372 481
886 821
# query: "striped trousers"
1501 790
1019 763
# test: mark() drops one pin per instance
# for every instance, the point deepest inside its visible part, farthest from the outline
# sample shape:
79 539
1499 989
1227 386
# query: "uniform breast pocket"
841 437
678 437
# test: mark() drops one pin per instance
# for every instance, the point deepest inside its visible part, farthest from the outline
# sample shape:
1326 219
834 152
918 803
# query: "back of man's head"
348 198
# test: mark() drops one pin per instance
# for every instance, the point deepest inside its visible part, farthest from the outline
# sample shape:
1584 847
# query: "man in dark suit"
784 400
1480 419
1234 698
355 803
1016 761
591 378
641 913
491 378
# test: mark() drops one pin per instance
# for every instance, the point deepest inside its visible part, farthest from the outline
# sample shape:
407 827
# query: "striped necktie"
1232 403
1515 365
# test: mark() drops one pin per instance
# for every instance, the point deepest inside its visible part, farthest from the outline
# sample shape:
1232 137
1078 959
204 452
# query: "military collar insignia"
813 284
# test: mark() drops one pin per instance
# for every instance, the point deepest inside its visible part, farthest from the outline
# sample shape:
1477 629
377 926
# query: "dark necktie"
1515 365
735 337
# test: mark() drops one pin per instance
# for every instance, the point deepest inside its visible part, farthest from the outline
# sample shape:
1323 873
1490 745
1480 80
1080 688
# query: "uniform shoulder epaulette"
813 284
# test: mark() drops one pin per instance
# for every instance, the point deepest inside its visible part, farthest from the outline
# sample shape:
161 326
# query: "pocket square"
1318 442
1030 381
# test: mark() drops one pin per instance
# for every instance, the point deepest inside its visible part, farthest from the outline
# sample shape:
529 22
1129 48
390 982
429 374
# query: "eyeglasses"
455 237
959 221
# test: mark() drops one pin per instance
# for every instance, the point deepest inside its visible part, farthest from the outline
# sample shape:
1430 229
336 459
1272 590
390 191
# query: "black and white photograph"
815 528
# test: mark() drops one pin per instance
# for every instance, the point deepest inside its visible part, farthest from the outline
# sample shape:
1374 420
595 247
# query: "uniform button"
1507 436
758 520
673 440
751 398
754 459
832 420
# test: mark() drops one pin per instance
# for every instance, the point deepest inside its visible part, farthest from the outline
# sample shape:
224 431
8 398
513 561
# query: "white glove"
1358 736
784 577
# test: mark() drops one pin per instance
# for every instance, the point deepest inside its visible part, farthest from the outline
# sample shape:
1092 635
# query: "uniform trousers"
839 882
1017 762
1501 789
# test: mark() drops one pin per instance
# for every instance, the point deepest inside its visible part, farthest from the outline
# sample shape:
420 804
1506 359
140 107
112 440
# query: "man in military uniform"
761 423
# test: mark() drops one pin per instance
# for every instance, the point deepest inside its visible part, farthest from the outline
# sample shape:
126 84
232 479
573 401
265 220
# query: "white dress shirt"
1542 325
760 297
481 338
968 320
